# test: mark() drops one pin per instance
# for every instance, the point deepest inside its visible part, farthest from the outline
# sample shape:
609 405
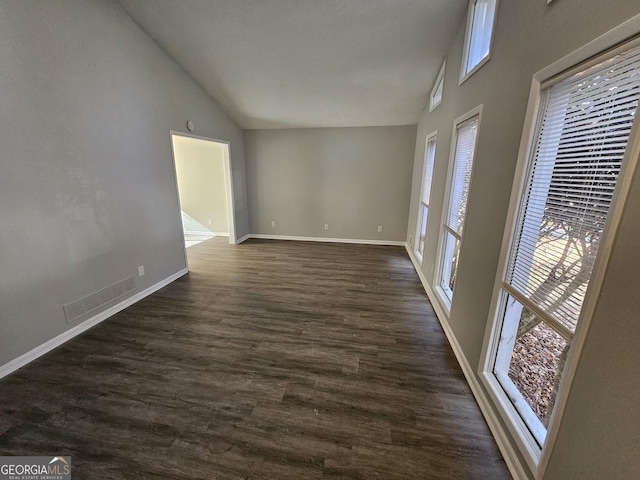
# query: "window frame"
464 74
440 293
439 80
606 46
433 136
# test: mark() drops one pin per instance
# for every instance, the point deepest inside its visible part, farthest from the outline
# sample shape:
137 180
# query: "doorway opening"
205 188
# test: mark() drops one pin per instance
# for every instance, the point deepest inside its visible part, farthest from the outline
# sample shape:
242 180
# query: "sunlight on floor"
191 239
194 232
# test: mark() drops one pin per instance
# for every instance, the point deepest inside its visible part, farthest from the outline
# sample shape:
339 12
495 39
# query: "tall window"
579 145
423 213
480 25
466 132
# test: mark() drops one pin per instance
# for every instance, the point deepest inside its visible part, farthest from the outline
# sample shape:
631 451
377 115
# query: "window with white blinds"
460 181
582 133
429 159
430 156
461 175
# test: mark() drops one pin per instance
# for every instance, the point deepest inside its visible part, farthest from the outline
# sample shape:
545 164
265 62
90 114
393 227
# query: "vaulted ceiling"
307 63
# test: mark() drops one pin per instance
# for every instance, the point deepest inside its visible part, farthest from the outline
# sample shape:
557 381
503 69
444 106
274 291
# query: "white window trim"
467 39
431 136
439 78
538 458
440 293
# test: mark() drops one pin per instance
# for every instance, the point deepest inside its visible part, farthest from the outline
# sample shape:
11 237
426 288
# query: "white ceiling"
307 63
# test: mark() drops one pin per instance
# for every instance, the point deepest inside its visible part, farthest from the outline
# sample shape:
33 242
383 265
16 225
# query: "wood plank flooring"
270 360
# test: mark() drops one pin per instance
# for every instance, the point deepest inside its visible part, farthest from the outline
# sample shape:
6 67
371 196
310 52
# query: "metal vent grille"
94 301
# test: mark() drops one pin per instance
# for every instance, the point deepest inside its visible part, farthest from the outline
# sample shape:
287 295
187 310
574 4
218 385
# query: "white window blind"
582 136
429 158
461 174
479 45
460 181
428 172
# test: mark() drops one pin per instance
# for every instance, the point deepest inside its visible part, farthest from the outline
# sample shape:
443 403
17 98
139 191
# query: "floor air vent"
94 301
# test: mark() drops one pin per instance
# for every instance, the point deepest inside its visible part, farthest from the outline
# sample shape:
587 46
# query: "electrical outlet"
141 270
379 228
326 226
210 222
273 224
410 241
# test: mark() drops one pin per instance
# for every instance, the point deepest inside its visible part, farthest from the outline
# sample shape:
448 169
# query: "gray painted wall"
599 432
354 179
87 183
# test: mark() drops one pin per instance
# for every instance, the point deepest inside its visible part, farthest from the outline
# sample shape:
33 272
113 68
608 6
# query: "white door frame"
228 173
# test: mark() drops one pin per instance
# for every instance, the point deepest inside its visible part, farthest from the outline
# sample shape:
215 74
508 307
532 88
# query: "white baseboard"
502 440
330 240
242 239
67 335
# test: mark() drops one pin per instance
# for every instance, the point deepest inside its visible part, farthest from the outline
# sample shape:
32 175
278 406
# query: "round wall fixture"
190 126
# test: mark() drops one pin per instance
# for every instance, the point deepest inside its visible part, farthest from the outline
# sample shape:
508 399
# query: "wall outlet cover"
141 270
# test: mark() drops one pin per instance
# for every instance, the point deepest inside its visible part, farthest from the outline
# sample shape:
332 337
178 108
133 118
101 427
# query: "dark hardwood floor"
270 360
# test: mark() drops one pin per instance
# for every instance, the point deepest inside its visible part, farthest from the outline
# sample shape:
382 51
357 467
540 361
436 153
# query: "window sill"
444 300
465 76
524 439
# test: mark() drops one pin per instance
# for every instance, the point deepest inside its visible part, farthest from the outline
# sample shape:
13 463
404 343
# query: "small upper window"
438 88
480 23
